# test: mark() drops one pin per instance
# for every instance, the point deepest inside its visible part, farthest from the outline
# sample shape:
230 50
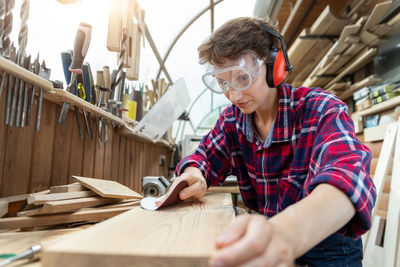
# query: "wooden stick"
93 215
68 205
40 199
67 188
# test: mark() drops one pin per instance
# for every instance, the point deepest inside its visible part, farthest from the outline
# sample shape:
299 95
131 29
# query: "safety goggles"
240 74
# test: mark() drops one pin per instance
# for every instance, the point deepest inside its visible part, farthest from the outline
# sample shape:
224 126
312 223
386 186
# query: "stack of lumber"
86 200
311 46
179 235
356 46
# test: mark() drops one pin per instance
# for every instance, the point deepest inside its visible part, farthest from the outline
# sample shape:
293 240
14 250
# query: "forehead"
242 60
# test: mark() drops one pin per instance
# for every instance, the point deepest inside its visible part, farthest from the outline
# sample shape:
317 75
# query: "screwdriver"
81 46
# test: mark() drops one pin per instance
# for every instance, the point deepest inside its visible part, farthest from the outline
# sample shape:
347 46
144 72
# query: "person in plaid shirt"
294 152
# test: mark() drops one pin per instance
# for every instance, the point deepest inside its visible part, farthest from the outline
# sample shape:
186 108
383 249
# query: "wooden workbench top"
180 235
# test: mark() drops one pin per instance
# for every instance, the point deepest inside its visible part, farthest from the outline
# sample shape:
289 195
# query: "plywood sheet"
181 235
106 188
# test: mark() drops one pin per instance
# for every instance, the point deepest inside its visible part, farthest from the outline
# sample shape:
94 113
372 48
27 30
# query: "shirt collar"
282 129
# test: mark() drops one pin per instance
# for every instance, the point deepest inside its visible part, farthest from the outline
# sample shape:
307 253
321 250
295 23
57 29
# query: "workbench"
180 235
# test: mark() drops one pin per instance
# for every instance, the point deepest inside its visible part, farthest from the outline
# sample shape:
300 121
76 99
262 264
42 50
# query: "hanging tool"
15 95
36 68
115 103
44 73
81 46
82 94
10 85
26 93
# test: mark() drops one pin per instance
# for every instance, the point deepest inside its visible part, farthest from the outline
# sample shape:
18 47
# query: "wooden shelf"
18 71
388 104
59 96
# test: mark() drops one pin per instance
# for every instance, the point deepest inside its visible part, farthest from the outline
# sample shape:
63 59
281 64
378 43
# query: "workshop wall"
32 161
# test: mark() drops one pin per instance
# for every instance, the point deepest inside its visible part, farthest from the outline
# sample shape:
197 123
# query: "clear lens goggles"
239 74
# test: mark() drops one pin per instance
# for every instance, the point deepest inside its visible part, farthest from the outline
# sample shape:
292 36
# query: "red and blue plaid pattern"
312 142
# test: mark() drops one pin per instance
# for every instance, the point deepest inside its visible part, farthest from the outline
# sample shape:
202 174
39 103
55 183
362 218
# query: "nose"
234 95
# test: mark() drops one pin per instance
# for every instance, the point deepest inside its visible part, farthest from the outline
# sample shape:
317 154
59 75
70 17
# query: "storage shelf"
388 104
59 96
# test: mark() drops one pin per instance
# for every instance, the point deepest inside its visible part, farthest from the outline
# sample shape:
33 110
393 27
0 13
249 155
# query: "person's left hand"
251 240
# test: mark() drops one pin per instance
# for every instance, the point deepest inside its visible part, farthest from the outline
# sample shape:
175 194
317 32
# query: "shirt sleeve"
341 160
212 156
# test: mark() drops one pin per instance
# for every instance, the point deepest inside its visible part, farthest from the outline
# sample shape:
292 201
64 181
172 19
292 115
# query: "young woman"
293 150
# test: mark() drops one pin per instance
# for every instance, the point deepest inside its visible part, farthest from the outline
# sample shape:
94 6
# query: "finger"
251 245
235 231
196 190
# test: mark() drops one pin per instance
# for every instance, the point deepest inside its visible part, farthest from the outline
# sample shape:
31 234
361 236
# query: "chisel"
81 46
26 92
36 68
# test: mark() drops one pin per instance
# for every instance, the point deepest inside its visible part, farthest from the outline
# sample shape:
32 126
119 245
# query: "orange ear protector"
278 65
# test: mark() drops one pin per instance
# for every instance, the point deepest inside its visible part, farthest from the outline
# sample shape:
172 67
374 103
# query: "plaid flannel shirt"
311 142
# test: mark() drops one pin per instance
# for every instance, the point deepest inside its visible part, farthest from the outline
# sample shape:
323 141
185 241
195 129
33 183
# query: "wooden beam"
68 205
289 20
89 215
67 188
182 235
40 199
106 188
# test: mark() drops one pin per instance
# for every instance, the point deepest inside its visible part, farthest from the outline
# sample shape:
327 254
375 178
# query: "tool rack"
32 161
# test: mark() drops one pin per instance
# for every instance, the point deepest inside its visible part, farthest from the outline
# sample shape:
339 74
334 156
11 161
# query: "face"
254 97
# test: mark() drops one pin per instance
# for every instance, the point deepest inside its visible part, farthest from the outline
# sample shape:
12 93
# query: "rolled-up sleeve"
212 156
341 160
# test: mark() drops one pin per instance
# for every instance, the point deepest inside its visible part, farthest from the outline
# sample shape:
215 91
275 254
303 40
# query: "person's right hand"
197 185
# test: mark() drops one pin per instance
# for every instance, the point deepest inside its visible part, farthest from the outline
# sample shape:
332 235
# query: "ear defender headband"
278 65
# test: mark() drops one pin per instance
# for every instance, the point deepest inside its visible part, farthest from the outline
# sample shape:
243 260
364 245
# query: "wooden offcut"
106 188
40 199
68 205
182 235
86 215
67 188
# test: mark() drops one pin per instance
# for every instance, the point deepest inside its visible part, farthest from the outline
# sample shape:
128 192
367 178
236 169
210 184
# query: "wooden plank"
358 62
3 129
61 151
377 14
106 188
132 177
40 199
99 155
381 170
3 208
373 254
89 215
74 187
108 153
88 153
76 151
386 105
121 160
43 149
115 159
374 164
127 163
392 230
156 237
14 242
370 80
68 205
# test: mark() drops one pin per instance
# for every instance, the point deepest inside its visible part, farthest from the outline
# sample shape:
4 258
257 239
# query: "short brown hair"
235 36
